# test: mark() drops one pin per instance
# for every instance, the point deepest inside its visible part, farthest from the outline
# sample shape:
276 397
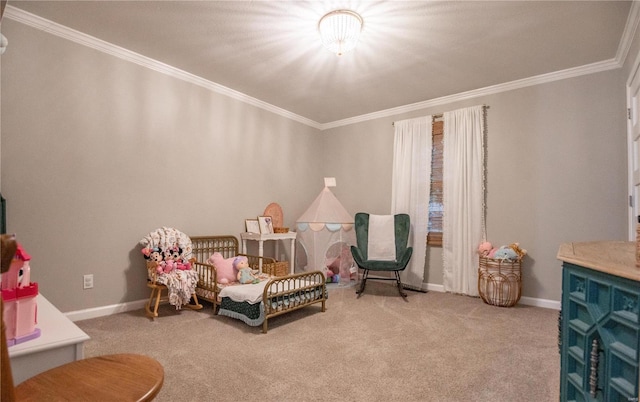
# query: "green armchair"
401 227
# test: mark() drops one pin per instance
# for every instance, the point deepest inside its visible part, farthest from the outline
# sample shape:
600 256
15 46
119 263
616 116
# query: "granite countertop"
612 257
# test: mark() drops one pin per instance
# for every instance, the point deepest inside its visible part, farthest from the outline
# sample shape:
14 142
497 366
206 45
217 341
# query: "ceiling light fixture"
340 30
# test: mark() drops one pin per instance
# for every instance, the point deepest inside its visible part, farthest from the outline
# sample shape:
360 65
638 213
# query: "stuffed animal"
165 267
485 248
511 252
505 253
171 254
245 274
183 265
224 268
152 254
492 253
155 255
329 274
519 251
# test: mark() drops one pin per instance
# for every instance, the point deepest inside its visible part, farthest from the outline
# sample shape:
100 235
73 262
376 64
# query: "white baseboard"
544 303
434 287
96 312
528 301
135 305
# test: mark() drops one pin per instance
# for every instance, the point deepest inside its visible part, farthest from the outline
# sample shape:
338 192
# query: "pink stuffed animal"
166 267
224 268
484 249
183 265
329 274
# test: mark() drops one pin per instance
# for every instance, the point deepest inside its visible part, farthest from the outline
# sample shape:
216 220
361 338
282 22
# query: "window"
434 230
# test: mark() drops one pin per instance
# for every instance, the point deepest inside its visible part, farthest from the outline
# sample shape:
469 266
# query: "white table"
261 238
60 342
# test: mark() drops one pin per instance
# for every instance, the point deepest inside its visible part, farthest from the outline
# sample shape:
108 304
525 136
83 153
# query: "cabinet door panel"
600 308
625 304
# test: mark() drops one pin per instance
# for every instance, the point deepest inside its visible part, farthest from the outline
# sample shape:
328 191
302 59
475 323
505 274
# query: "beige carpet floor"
434 347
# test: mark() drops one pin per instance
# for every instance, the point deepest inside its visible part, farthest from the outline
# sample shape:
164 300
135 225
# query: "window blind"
434 235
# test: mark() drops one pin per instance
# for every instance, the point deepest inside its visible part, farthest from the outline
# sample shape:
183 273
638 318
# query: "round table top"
125 377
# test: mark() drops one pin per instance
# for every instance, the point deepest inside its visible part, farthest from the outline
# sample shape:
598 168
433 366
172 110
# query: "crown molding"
624 46
53 28
629 32
62 31
490 90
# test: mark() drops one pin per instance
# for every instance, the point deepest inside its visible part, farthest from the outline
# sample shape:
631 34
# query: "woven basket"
500 281
280 230
278 268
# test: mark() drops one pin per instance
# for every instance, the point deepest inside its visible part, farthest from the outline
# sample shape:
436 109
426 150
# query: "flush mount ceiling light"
339 30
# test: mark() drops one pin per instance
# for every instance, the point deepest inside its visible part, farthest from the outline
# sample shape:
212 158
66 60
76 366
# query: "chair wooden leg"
147 306
156 293
400 288
158 296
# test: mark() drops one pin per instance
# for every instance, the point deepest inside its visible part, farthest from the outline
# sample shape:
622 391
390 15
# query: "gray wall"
97 151
556 170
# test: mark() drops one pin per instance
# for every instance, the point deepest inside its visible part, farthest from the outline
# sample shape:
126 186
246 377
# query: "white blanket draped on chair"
410 189
382 234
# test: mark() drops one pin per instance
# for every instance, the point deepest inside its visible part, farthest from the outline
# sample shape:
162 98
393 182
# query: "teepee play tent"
325 236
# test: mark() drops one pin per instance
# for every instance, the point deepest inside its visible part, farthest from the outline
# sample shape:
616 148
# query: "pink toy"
183 266
329 275
165 267
224 268
485 248
19 297
167 260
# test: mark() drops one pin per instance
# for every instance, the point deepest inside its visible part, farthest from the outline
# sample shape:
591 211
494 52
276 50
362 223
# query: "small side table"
261 238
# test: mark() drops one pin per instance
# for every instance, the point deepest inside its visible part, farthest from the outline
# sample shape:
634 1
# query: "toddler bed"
256 303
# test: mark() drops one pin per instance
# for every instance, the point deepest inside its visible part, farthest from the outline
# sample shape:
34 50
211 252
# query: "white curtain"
463 198
410 189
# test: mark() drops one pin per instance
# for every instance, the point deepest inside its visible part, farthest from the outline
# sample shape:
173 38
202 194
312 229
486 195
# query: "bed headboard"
204 246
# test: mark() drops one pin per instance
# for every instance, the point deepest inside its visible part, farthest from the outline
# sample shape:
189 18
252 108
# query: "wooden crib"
275 296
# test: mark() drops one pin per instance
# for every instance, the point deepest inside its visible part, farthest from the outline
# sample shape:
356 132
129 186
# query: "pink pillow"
224 268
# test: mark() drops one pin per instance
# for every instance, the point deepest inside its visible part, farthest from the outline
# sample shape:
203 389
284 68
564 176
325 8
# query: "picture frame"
252 225
266 224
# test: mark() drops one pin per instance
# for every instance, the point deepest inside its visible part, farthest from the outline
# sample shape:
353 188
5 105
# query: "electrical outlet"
88 282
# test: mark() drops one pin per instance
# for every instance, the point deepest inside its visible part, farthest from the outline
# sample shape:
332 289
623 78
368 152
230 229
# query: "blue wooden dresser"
599 322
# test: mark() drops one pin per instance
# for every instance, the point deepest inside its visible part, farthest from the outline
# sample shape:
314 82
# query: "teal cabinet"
600 335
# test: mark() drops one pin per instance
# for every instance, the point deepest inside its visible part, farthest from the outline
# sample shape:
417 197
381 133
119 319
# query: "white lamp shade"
340 30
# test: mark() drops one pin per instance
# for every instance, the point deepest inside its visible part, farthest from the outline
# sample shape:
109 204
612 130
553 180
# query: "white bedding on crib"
252 292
